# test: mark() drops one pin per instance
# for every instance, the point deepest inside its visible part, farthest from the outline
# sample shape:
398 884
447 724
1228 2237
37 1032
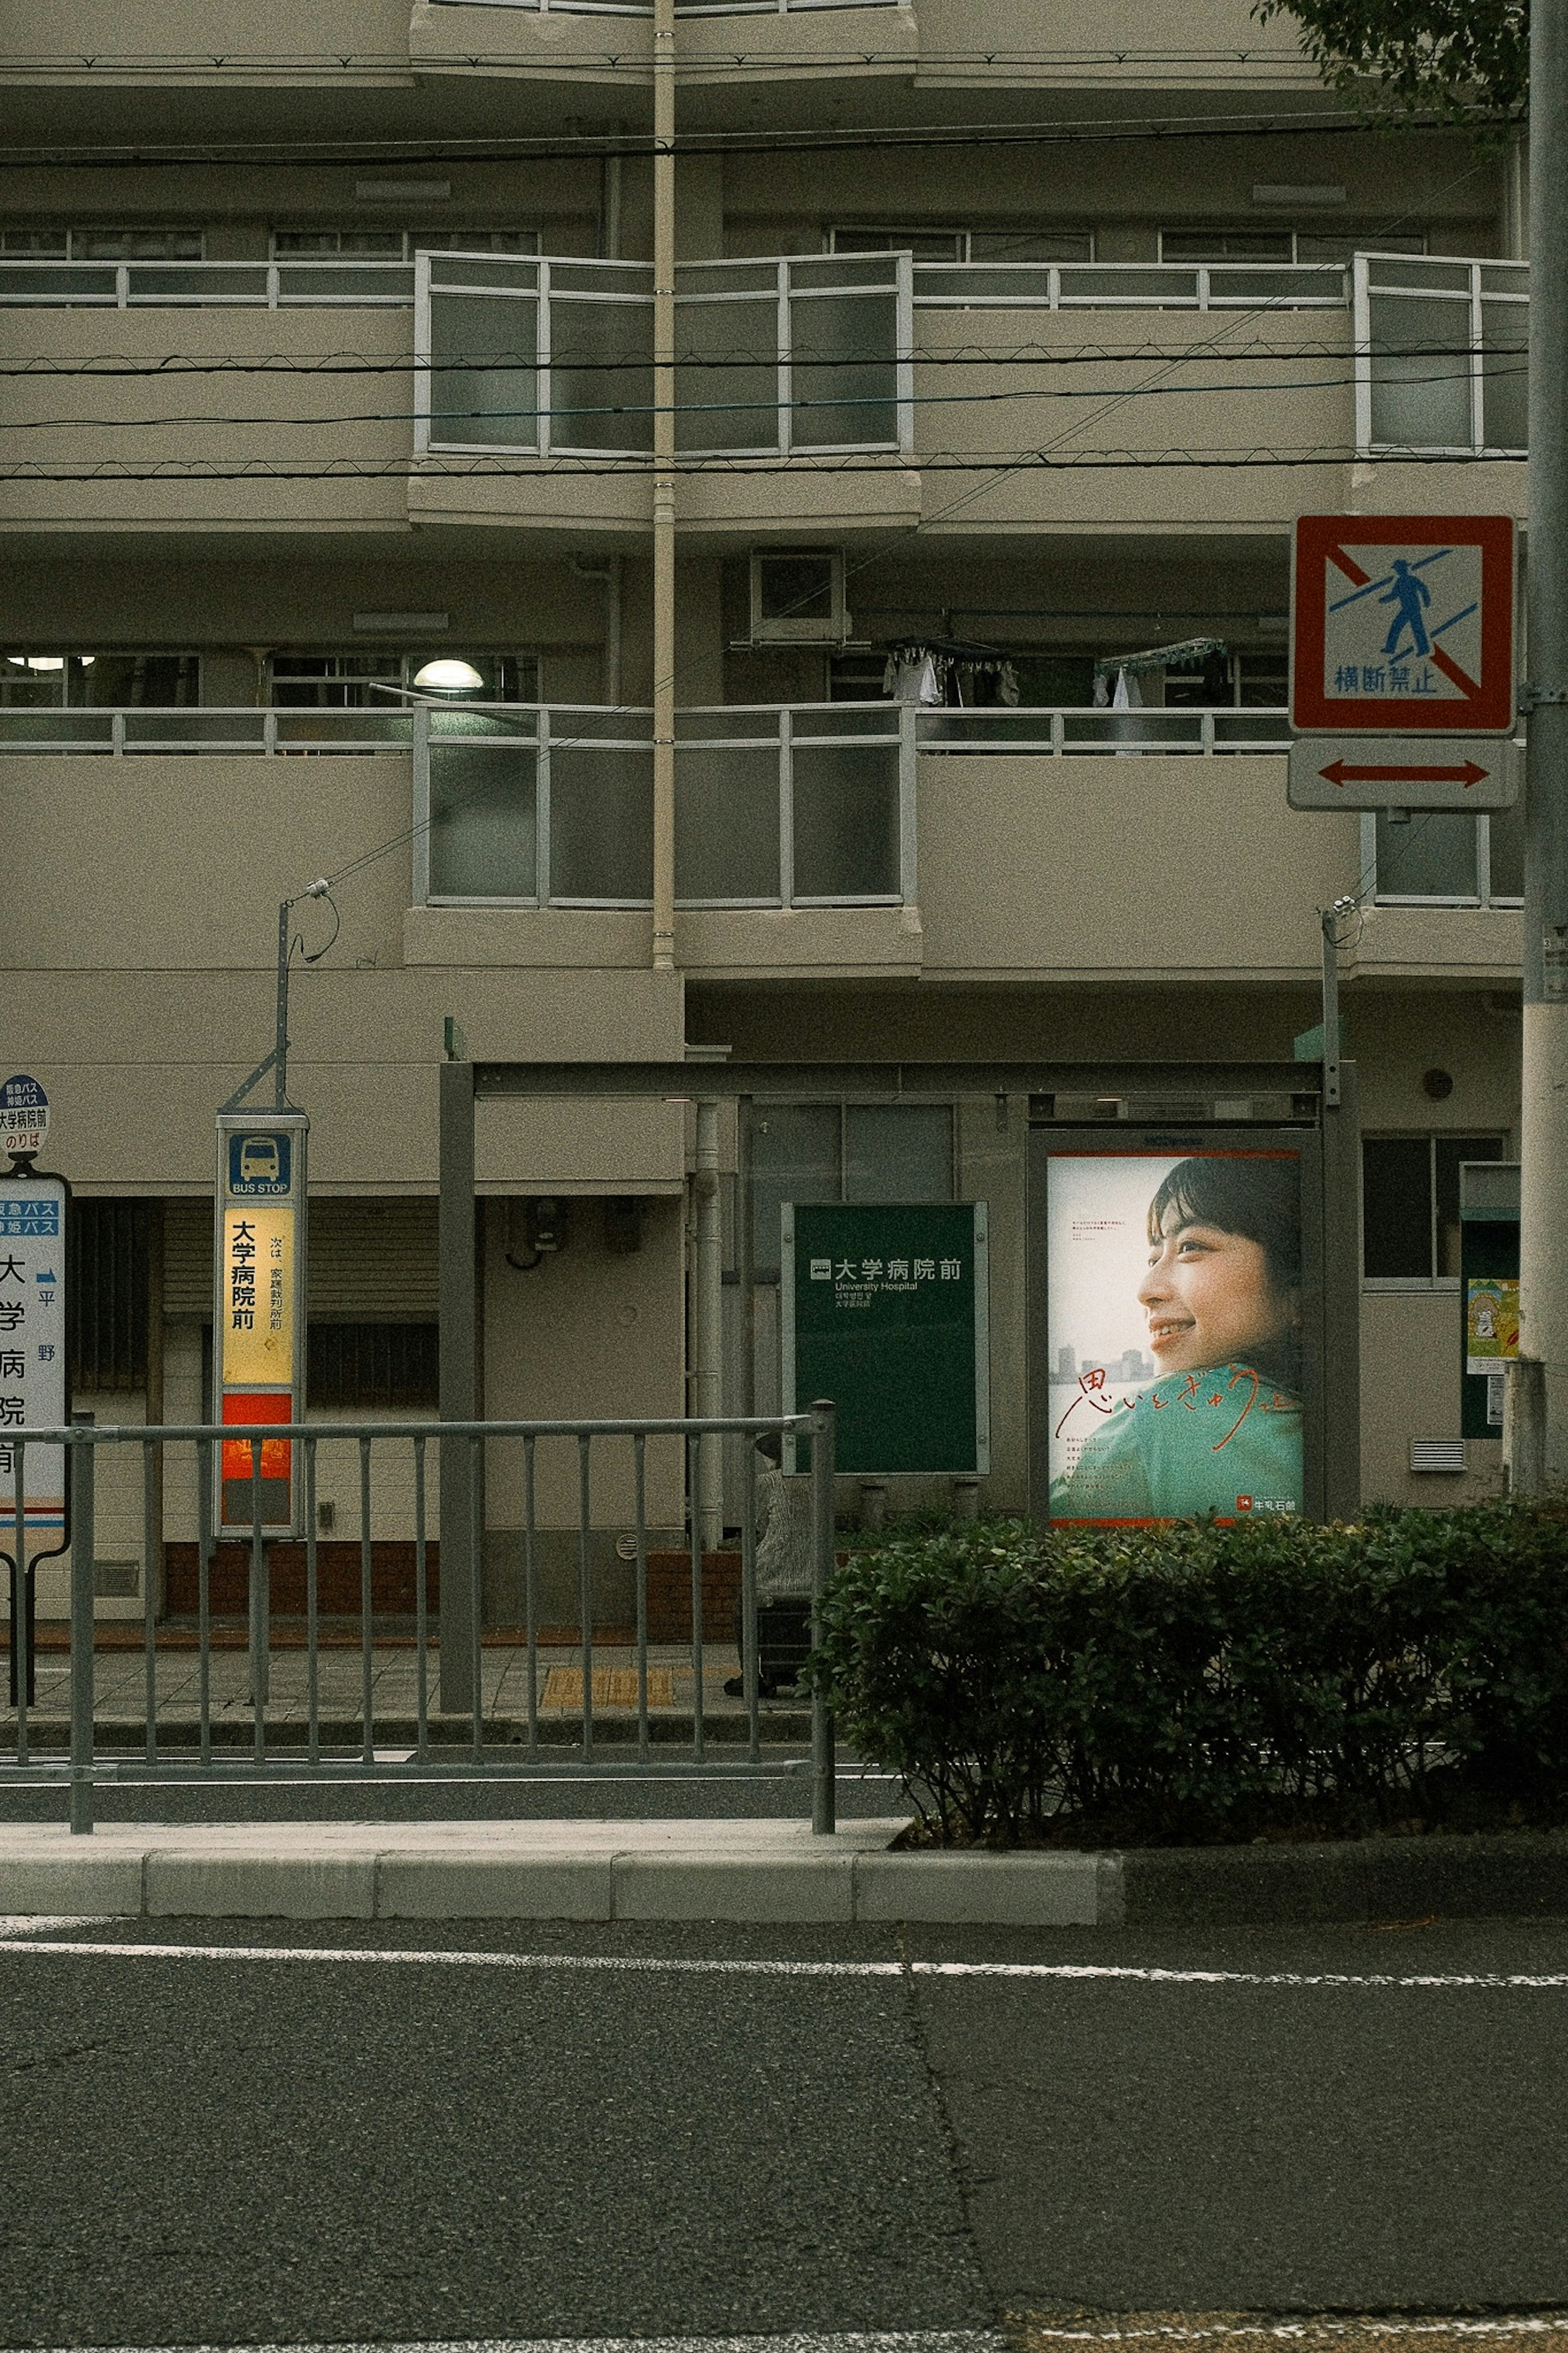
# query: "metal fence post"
83 1547
823 1791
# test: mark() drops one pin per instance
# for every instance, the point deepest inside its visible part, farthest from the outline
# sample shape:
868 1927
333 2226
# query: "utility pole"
664 485
1538 1401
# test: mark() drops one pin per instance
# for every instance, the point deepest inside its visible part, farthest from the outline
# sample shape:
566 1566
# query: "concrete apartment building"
1011 339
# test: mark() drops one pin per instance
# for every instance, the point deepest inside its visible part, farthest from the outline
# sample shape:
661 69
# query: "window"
1442 858
106 1295
1252 679
349 682
396 244
967 244
797 596
1212 245
850 1152
1410 1204
99 682
102 244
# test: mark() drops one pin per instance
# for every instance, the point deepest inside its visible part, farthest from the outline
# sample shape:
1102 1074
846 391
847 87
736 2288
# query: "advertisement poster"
1491 1322
1175 1335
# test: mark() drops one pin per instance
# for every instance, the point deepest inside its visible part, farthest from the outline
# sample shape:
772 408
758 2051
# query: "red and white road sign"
1402 624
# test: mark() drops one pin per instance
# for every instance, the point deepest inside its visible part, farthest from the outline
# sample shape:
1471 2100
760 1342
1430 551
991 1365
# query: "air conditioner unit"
797 596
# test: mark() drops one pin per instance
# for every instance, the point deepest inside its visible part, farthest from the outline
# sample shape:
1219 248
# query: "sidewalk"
119 1686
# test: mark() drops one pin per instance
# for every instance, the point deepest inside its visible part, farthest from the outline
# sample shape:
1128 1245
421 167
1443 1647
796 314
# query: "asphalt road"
202 2148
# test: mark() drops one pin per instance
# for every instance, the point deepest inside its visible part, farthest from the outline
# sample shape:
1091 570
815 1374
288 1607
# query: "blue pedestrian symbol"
1410 595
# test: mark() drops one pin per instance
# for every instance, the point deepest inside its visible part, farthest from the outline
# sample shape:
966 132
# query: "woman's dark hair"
770 1445
1254 1195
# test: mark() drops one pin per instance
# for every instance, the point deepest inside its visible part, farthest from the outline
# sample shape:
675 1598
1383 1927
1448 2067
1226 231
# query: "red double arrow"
1340 772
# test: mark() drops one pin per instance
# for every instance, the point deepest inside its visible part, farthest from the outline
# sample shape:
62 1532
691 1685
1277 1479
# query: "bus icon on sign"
258 1166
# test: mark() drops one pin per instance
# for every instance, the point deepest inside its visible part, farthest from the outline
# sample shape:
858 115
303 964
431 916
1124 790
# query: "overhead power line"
176 365
554 147
442 465
736 407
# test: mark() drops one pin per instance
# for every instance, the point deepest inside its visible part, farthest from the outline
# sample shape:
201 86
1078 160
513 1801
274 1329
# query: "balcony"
803 807
1442 356
612 40
1067 844
825 391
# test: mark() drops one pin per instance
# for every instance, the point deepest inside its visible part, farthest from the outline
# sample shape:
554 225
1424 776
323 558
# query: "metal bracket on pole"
278 1059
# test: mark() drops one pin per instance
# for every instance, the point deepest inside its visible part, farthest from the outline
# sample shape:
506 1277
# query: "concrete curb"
750 1871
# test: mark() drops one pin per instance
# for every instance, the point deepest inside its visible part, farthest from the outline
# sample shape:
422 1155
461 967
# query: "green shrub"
1196 1682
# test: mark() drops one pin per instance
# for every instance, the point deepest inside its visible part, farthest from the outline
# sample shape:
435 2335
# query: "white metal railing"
1055 729
197 285
1132 285
774 356
1064 728
1441 355
682 7
776 806
937 285
203 728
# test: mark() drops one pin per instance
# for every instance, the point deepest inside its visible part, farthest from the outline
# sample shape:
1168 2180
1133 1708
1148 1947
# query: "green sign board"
885 1311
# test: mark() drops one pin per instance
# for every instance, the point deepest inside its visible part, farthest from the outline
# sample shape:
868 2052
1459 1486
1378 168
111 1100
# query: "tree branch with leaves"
1400 61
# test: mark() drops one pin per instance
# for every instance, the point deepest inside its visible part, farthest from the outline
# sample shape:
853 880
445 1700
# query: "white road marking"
1527 2325
629 1963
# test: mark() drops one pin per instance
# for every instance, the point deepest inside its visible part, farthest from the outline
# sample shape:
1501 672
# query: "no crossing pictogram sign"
1402 624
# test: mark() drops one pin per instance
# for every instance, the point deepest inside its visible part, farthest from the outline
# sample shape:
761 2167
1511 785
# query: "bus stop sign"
1403 624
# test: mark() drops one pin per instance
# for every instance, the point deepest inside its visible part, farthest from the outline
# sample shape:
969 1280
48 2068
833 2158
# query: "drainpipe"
664 486
708 1329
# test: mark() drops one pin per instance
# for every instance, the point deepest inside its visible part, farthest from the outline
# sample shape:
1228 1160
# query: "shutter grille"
106 1295
370 1261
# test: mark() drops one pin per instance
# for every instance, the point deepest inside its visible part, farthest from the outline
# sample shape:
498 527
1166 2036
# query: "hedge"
1198 1682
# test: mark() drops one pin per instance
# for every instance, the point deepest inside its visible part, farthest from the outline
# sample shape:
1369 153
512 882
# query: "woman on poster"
1220 1429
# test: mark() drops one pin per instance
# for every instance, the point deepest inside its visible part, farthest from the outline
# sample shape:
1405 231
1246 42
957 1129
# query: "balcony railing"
1131 286
727 727
198 285
682 7
1442 352
1073 729
937 285
205 728
544 807
555 357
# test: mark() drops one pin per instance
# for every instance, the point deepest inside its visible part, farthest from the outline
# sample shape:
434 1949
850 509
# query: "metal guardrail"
462 1611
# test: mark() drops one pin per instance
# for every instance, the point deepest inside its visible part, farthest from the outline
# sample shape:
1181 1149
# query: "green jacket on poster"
1223 1440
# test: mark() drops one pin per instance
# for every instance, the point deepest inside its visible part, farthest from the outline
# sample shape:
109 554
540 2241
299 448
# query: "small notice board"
33 1389
884 1309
